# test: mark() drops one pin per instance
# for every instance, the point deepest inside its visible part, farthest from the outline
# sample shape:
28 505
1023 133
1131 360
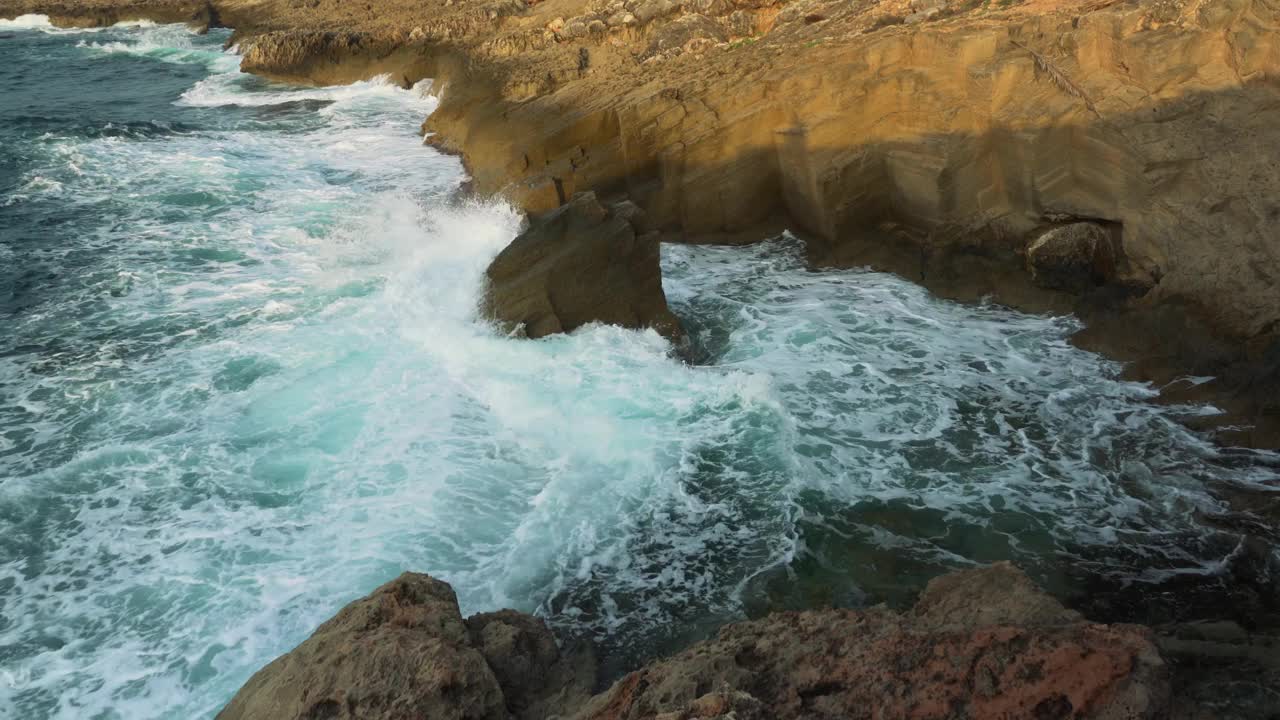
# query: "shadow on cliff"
1186 289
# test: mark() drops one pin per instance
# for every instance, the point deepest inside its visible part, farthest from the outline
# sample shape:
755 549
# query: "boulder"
536 679
405 653
1072 257
579 264
982 643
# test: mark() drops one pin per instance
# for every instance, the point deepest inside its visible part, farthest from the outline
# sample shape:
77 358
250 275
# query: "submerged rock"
579 264
983 643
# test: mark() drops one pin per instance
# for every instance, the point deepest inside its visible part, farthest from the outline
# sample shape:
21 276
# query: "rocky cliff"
940 139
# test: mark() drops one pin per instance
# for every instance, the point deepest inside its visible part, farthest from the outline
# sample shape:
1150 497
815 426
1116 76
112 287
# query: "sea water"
242 382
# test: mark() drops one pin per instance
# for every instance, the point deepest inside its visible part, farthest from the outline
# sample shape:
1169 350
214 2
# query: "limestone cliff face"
966 136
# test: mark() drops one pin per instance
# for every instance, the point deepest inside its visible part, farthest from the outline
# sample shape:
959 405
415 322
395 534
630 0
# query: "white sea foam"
227 89
32 21
169 43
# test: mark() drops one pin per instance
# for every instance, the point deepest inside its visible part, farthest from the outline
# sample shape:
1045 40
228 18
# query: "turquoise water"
242 383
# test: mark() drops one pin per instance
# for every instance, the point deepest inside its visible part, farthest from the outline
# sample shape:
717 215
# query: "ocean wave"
27 22
168 43
32 21
228 89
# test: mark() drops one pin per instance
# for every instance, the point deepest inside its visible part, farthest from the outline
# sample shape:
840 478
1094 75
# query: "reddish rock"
980 644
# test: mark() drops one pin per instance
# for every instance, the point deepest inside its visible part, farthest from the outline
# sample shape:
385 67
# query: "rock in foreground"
405 653
979 644
581 263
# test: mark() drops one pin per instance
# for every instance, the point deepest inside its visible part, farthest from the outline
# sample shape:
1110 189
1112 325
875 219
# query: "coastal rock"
961 132
537 680
405 653
1072 257
982 643
580 263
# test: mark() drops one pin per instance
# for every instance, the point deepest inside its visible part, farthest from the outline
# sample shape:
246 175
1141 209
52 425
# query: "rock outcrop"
979 644
1074 257
982 643
581 263
405 653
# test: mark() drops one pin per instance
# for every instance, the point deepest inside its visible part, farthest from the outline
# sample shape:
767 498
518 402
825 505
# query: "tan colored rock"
983 643
581 263
405 653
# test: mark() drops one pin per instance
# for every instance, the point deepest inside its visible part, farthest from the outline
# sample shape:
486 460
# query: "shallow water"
241 383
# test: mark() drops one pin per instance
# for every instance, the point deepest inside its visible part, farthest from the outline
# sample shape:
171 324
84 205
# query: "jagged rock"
650 10
1072 257
402 652
405 653
620 18
708 7
537 681
688 28
580 264
982 643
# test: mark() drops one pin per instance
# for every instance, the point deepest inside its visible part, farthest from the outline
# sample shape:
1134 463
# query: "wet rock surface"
982 643
581 263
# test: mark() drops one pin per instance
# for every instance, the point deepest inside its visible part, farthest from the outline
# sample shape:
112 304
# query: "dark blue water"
242 382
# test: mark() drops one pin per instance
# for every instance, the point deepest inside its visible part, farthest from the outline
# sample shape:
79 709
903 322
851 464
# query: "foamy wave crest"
27 22
32 21
169 43
229 88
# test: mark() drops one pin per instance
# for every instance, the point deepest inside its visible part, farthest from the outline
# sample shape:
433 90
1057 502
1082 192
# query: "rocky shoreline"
983 643
1112 159
944 141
